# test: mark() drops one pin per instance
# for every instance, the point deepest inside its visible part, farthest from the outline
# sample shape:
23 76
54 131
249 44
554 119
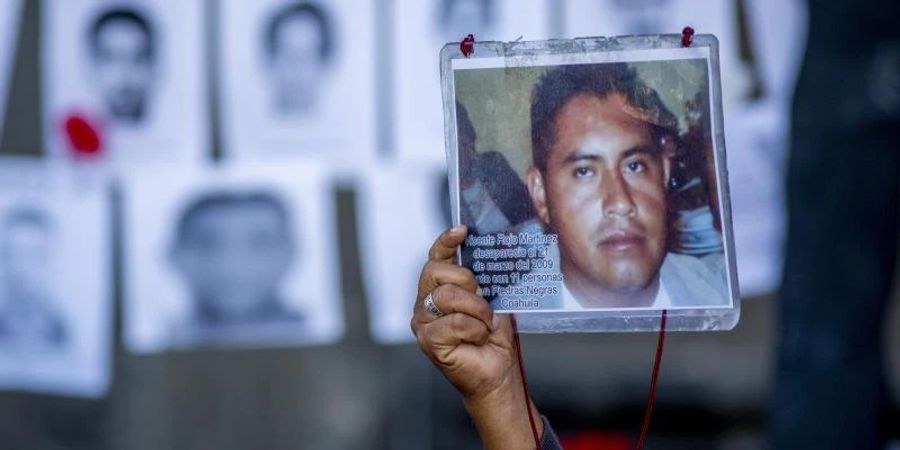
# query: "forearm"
502 420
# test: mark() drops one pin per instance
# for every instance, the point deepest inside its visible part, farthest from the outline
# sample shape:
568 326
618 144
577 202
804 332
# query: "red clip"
687 37
85 138
467 46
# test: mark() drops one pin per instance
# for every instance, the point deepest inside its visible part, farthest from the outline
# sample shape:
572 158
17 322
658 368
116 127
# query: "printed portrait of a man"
610 172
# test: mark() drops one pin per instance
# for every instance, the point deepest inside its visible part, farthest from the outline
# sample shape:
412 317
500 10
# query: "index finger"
444 247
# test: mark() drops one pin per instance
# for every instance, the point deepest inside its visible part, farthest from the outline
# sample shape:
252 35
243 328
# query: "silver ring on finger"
431 307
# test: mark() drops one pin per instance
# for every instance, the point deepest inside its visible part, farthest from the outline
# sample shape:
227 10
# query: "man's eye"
636 166
583 172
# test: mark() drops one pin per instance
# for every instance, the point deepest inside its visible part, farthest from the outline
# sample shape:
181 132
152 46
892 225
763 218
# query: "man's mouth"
622 240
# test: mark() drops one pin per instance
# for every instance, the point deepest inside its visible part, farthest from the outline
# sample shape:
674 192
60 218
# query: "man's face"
233 257
297 58
24 260
124 69
604 194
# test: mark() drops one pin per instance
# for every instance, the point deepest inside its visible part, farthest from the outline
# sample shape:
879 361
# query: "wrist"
501 417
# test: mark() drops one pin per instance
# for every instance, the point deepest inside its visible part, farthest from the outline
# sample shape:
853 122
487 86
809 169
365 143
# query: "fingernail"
495 322
456 229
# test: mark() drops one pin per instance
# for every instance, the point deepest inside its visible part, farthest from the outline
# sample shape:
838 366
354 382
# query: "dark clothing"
842 229
549 440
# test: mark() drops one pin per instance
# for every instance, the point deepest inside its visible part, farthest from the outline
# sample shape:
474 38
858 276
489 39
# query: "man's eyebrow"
647 149
640 149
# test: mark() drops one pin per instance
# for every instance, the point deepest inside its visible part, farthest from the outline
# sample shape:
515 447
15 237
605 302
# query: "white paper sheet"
394 248
145 91
298 78
55 281
230 257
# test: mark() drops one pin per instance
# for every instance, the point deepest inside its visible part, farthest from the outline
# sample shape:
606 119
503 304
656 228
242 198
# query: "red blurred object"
467 46
687 37
85 138
597 440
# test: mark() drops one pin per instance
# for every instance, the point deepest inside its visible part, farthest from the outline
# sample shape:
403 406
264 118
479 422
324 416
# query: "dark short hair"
127 15
299 9
560 84
218 199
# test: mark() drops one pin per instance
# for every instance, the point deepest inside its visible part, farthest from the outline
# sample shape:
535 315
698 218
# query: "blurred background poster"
421 28
240 256
55 299
10 11
133 70
298 78
393 247
758 69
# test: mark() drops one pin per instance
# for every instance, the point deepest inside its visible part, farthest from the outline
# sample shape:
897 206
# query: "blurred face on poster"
299 46
29 320
233 251
458 18
25 252
123 54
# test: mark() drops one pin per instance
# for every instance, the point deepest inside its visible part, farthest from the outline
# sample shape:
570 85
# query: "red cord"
651 396
525 388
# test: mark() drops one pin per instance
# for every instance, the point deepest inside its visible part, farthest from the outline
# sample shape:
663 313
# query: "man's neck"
592 296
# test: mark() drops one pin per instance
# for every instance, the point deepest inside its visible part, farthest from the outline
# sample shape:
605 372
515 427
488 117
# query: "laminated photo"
591 176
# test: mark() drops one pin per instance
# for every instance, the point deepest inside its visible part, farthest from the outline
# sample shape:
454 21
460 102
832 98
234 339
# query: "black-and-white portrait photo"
10 18
421 30
131 69
295 73
393 247
55 304
241 257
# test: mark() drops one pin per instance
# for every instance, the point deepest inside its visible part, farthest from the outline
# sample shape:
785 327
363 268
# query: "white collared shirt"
662 300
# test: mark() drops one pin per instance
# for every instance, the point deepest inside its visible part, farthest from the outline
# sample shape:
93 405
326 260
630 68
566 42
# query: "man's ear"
538 193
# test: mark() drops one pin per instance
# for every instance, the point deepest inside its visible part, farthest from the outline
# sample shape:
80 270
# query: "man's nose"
616 196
